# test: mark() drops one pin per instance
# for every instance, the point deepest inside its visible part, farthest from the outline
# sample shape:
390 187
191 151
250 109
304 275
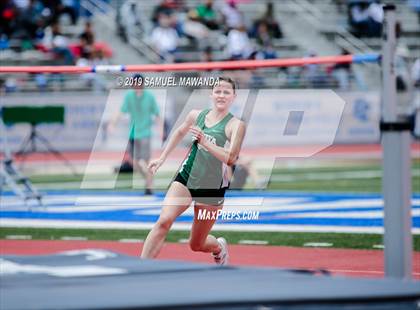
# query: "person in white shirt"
232 16
238 44
165 38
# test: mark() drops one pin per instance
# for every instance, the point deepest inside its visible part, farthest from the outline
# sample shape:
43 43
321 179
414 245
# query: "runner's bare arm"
174 139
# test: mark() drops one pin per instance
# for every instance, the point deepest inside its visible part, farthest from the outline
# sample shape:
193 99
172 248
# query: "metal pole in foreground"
396 181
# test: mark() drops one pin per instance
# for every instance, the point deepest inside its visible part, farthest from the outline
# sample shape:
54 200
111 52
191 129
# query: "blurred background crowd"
91 32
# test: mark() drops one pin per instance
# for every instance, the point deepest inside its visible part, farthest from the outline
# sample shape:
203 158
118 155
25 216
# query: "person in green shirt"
140 104
208 15
202 178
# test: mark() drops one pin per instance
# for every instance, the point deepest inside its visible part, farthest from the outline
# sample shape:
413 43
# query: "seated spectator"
268 18
342 72
366 19
88 34
207 15
376 19
58 8
262 35
58 44
172 9
267 51
314 74
32 19
166 7
232 17
8 17
238 44
405 85
92 58
359 18
195 30
87 44
165 38
82 49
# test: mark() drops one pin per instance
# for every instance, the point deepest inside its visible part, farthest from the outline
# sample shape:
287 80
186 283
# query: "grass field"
348 179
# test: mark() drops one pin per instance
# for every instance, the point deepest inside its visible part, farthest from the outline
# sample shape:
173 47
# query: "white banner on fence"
85 115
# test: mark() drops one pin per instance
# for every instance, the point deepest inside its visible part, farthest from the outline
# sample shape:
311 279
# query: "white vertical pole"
396 181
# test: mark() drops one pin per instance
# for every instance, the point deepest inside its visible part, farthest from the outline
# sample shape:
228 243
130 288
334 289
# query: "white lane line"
344 214
131 240
258 242
100 184
332 176
164 182
71 238
364 271
187 226
19 237
318 244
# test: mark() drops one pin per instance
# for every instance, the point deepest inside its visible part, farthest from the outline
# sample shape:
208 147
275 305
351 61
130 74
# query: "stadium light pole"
396 179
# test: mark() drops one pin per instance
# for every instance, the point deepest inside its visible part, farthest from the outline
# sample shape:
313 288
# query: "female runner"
202 178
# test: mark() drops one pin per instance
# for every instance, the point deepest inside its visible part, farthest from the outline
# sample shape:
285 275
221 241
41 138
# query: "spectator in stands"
366 18
166 7
376 19
93 57
207 15
66 7
314 75
232 17
342 73
405 85
57 43
263 37
8 18
165 38
269 21
195 30
88 34
170 8
267 52
359 18
238 44
401 63
32 19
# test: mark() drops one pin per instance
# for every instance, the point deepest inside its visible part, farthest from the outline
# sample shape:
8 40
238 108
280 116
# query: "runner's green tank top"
201 170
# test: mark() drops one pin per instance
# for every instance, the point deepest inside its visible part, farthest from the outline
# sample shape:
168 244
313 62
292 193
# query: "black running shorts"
215 197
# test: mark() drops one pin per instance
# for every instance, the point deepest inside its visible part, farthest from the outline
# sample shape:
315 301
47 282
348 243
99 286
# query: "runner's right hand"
154 165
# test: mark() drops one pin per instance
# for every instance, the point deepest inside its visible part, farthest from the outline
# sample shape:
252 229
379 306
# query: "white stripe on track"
19 237
332 176
182 226
341 214
253 242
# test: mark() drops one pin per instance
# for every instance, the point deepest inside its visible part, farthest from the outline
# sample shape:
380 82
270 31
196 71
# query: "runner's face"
223 95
